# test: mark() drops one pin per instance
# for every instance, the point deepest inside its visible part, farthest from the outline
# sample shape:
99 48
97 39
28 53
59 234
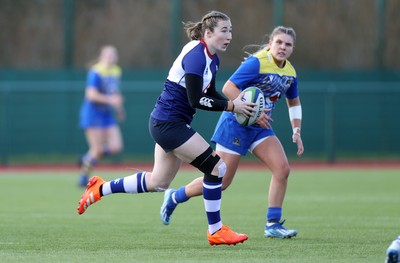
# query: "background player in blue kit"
97 116
269 70
190 84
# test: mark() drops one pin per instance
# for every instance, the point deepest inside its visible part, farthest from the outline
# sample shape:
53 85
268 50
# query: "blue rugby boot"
167 207
277 230
392 253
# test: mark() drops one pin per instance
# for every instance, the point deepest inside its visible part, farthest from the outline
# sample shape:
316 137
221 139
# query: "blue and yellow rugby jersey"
260 70
105 80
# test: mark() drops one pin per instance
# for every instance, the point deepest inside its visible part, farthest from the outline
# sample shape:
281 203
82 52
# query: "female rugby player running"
269 70
189 85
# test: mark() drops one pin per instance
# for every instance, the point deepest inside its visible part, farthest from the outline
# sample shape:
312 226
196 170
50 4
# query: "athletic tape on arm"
295 112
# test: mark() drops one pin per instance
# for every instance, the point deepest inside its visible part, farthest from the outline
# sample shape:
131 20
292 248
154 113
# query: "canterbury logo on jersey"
206 102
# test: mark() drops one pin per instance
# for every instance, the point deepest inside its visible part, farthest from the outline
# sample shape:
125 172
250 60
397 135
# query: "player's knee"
220 168
286 170
115 149
210 164
283 172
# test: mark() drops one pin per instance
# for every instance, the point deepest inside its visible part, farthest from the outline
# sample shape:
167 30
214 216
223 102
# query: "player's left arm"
295 115
212 91
201 100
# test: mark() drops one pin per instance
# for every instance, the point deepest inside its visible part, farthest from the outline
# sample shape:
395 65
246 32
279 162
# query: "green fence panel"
341 120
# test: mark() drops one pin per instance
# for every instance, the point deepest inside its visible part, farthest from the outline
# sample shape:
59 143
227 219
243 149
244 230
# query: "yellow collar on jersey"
268 66
113 71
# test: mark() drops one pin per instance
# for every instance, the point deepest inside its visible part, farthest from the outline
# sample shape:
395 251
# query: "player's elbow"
194 102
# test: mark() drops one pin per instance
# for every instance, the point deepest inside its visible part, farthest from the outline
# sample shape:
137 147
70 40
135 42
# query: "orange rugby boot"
225 236
91 194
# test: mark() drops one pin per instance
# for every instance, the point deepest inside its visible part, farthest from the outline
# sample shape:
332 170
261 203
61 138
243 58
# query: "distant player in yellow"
97 116
269 70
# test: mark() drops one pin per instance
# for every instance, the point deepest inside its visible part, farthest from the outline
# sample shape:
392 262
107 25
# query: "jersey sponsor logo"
275 96
206 102
271 78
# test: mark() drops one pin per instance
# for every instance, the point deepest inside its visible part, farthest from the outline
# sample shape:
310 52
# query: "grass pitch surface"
342 215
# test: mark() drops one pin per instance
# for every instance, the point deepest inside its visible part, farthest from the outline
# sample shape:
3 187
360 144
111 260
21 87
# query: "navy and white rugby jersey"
173 103
260 70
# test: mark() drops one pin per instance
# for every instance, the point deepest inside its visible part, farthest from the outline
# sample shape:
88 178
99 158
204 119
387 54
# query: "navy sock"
134 184
212 195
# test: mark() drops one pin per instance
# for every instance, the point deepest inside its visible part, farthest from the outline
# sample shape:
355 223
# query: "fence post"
68 19
4 91
278 12
330 123
380 29
176 19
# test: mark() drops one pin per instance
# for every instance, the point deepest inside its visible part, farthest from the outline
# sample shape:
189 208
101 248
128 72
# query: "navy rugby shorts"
170 134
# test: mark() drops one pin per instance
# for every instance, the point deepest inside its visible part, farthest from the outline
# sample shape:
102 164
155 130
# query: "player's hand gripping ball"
252 94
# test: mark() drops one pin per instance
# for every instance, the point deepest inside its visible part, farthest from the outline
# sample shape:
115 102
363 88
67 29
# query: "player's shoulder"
102 70
289 69
266 61
267 64
116 71
192 51
193 46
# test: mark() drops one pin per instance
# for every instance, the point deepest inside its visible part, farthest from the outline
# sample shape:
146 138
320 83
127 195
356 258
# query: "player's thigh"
166 166
271 152
192 148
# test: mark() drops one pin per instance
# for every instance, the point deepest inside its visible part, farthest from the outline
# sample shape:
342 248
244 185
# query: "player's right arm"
231 90
93 95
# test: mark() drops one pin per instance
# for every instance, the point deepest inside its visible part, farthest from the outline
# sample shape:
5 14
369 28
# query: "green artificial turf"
341 216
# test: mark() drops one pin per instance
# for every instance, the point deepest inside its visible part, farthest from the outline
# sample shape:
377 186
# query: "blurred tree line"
331 35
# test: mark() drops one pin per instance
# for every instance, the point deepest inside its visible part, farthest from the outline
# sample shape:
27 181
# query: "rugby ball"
252 94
